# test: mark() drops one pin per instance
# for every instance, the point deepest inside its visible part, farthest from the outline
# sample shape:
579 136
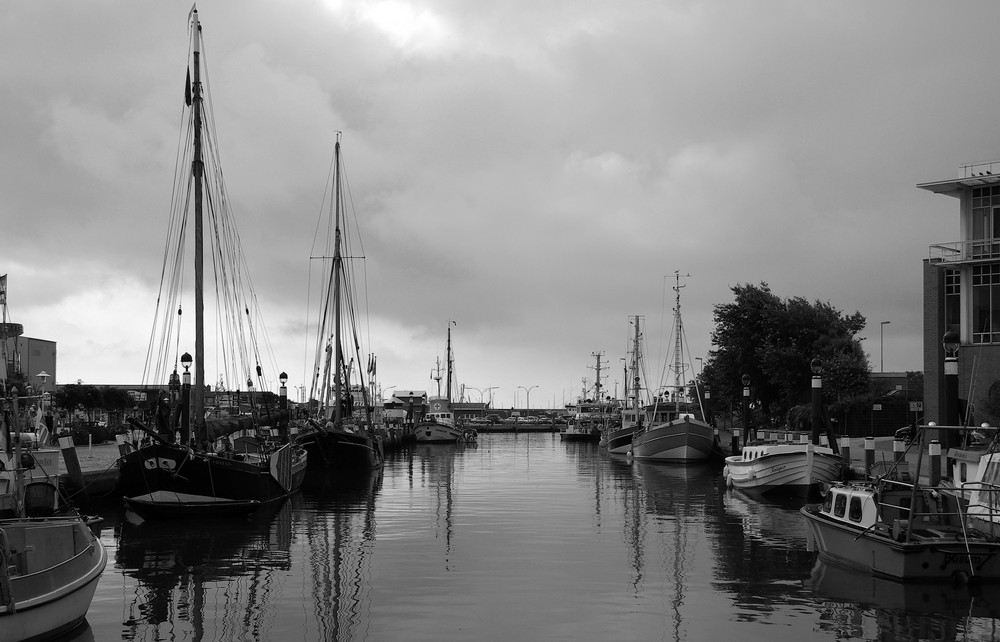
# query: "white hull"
437 433
790 468
60 602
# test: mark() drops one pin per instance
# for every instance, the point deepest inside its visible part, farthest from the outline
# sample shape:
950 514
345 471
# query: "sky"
535 172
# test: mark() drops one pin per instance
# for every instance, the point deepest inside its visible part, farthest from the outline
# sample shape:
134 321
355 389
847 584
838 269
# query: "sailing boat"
341 433
237 460
438 424
673 433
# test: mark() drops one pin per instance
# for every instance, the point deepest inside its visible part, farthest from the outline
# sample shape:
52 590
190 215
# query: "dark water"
521 537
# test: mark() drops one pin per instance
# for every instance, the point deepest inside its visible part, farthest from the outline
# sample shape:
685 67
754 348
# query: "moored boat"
51 559
787 468
671 431
239 456
902 531
438 425
341 432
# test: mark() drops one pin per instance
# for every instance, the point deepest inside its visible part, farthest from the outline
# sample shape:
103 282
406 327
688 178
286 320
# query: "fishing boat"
438 424
51 558
900 530
790 468
235 455
673 432
617 436
341 433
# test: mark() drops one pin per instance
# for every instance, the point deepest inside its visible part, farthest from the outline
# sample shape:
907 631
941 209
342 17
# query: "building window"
985 221
953 300
986 303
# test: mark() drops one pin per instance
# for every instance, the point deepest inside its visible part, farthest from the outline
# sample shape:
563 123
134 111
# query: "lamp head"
950 341
816 365
746 380
186 360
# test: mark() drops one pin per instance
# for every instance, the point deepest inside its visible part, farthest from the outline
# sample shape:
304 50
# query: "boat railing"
987 506
906 504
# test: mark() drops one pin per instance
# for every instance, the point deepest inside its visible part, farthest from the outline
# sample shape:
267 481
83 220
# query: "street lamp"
186 399
950 343
881 328
527 396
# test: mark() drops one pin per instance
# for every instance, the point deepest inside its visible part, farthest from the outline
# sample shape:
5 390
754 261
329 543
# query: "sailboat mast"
337 265
635 369
197 167
448 365
678 349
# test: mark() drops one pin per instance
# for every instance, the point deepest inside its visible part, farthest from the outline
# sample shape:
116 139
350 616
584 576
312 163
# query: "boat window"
840 505
855 514
828 502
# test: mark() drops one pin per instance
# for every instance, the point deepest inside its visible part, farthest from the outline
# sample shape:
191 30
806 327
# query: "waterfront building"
961 291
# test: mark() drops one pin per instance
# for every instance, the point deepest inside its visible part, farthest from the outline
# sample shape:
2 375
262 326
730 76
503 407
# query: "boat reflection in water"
877 608
203 582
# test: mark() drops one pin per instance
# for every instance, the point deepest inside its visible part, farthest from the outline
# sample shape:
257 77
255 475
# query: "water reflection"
864 606
213 575
338 527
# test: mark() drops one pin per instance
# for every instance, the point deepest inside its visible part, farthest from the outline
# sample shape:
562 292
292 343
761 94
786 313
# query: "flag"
41 429
3 290
187 88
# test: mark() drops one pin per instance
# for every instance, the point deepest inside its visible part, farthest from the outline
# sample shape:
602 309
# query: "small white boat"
902 531
50 558
791 468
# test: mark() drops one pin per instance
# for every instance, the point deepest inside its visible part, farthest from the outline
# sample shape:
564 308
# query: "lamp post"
186 399
746 408
527 396
950 343
283 402
881 328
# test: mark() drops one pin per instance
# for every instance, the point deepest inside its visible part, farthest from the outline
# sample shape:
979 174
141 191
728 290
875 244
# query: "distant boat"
438 424
672 433
590 416
50 557
341 433
236 461
786 468
616 437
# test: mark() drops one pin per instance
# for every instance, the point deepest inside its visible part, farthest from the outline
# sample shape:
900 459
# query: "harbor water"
518 537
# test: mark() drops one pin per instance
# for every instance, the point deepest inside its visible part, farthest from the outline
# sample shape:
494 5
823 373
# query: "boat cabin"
856 504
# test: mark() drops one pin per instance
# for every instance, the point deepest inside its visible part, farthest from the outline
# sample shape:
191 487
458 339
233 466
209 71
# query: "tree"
773 341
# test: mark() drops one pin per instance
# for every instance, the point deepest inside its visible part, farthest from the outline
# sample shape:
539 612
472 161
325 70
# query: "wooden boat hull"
169 480
333 448
680 440
59 562
792 469
932 554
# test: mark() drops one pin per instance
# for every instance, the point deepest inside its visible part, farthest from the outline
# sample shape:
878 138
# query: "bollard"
898 449
735 443
73 470
123 445
869 455
845 450
934 449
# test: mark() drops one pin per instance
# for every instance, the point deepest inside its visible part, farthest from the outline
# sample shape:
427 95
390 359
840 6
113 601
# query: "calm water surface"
520 537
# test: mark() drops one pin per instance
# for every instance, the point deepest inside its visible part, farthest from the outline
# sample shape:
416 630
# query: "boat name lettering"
778 469
976 560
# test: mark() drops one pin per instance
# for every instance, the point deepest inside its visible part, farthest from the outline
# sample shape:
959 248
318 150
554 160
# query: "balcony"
977 251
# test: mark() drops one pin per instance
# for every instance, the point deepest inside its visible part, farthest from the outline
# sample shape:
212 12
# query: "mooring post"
934 449
869 455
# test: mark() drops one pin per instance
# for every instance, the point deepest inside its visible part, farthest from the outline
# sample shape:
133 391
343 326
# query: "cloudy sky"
534 171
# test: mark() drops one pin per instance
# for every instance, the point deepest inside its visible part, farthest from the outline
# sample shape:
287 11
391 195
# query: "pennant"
187 88
3 290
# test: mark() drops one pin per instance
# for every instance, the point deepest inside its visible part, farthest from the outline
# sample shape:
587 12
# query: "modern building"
961 288
34 358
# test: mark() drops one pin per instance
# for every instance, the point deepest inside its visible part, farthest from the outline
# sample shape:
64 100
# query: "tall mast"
197 167
635 370
337 264
678 349
597 377
448 365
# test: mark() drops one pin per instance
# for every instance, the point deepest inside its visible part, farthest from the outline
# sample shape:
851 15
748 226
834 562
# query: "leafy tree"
773 341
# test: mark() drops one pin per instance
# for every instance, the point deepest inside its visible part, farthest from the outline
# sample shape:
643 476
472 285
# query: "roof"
956 186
